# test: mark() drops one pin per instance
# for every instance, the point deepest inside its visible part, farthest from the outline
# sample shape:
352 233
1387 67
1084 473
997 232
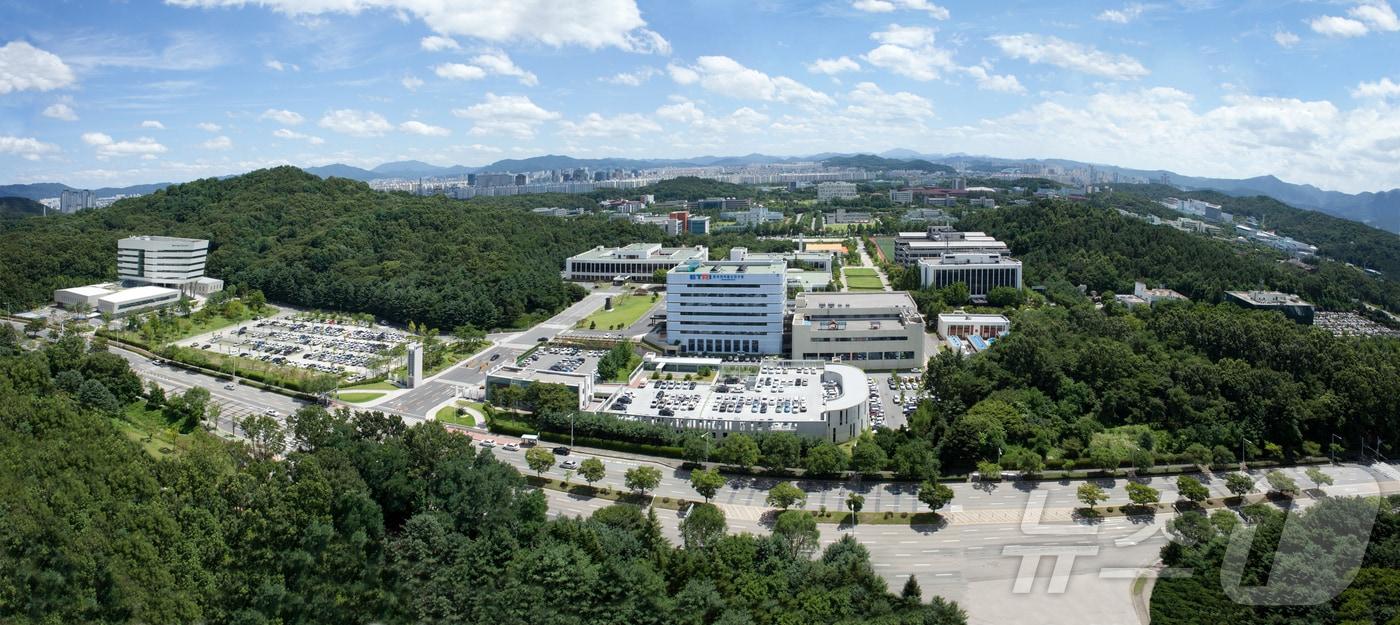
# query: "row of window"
857 339
722 346
858 356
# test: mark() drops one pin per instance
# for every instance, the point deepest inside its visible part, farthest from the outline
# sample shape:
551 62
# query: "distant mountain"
870 161
43 190
419 169
1379 210
19 207
340 170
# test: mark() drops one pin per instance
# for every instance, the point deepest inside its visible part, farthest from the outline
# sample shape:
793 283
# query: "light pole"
1332 453
1244 453
571 428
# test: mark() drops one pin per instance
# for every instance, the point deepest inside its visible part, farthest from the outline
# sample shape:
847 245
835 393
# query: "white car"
271 413
487 443
230 386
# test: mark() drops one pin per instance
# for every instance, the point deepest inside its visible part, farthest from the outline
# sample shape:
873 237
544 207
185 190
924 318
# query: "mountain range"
1377 209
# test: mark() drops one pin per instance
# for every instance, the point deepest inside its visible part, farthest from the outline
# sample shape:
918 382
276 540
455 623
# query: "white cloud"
556 23
1123 15
282 116
285 133
1286 39
208 126
276 65
61 110
909 51
1377 15
107 147
682 75
510 115
28 148
153 124
625 125
434 43
420 128
889 6
1383 88
1070 55
459 71
355 123
832 67
726 76
1335 26
633 79
499 63
411 83
24 67
217 143
682 112
871 104
987 81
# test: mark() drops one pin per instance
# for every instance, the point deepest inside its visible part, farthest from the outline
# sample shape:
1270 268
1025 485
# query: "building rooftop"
979 318
138 293
721 267
89 291
1269 298
647 251
772 391
952 260
813 302
162 239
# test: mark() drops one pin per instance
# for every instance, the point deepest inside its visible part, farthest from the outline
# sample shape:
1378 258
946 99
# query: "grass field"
863 279
886 245
148 429
372 386
627 309
189 328
358 398
448 414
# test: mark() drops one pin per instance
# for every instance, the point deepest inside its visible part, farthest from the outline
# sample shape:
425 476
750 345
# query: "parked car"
510 447
487 443
230 386
569 465
561 451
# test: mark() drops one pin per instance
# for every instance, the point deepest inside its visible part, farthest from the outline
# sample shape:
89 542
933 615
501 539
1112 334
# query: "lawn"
189 328
372 386
358 398
448 414
147 428
886 245
627 309
863 279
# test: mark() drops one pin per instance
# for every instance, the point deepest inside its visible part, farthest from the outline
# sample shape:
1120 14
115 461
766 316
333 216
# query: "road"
234 403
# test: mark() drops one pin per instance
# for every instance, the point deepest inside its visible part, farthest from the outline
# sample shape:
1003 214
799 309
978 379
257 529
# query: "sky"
107 93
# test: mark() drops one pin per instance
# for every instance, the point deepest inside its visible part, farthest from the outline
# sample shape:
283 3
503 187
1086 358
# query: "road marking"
954 540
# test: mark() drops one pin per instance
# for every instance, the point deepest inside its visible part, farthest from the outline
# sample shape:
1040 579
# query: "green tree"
1191 489
911 593
642 479
855 502
264 435
1142 494
539 460
1091 495
1279 482
797 532
1239 484
915 460
703 526
696 447
1318 477
786 495
706 482
781 451
824 459
989 471
868 457
591 470
935 495
740 450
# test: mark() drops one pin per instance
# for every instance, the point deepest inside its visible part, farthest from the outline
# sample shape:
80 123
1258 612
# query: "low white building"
873 331
836 191
85 296
637 261
137 300
966 325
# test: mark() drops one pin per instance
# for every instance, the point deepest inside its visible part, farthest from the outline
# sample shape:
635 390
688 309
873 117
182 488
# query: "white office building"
819 400
726 307
637 261
965 325
836 191
173 262
136 300
980 272
937 241
873 331
902 196
83 296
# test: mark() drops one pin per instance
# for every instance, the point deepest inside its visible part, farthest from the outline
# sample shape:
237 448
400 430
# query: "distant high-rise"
74 200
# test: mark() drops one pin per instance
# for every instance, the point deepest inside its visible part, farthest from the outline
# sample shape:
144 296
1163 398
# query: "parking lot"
891 405
563 359
306 341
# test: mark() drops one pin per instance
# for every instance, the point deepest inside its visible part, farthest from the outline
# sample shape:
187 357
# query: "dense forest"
1104 251
870 161
1290 574
331 244
19 207
1337 238
368 522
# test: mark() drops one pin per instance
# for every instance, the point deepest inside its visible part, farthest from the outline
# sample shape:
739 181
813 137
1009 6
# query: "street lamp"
571 428
1332 453
1244 453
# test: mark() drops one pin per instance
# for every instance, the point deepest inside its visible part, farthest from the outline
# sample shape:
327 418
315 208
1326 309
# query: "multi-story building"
937 241
925 214
755 215
638 261
699 224
836 191
964 325
844 216
74 200
173 262
902 196
810 261
726 307
980 272
819 400
873 331
1290 305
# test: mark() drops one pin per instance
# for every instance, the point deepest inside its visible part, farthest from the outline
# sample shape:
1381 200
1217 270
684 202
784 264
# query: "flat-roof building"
173 262
836 191
873 331
136 300
726 307
965 325
819 400
909 247
980 272
85 296
815 261
513 375
637 261
1290 305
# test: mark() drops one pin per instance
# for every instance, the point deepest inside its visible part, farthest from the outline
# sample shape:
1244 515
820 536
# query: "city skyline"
108 94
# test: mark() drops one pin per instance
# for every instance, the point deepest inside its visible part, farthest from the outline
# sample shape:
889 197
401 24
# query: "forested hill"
870 161
1104 251
19 207
330 243
1335 237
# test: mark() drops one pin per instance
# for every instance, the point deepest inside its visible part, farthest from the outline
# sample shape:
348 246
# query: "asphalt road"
234 403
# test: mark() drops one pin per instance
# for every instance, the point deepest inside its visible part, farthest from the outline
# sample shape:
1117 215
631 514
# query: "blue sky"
113 93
